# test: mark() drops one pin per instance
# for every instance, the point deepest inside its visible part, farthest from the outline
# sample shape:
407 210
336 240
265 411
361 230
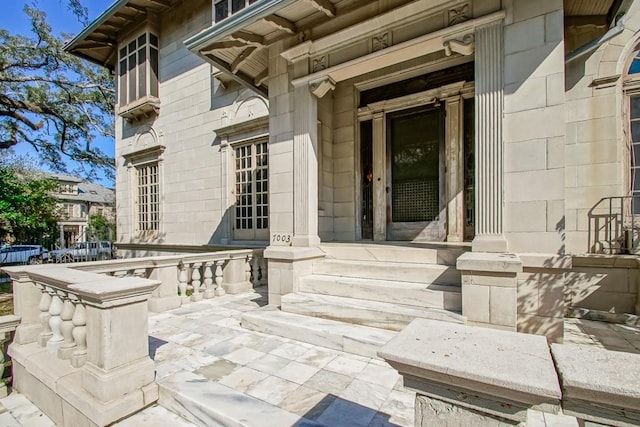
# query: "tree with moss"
51 100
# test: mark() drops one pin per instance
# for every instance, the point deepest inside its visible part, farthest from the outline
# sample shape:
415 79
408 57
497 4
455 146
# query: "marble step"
447 297
445 254
355 339
376 314
206 403
396 271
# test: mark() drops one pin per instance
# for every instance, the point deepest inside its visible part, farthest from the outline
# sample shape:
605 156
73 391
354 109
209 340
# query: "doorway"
415 172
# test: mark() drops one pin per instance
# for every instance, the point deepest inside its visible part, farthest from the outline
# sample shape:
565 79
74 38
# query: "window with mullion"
251 188
138 68
634 116
224 8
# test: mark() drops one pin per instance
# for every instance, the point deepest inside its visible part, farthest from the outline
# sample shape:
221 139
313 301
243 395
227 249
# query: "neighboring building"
79 200
293 123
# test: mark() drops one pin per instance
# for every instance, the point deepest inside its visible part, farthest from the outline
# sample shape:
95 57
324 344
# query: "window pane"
122 82
635 107
635 149
221 10
142 72
635 131
142 40
635 66
153 40
237 5
153 77
132 78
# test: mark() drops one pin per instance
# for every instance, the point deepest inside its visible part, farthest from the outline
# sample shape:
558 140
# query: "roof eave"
235 22
115 7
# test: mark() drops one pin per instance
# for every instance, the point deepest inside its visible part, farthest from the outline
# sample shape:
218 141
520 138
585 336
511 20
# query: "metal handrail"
619 227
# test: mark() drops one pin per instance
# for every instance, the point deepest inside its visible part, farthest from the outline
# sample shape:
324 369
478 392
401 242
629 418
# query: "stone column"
379 178
455 170
489 142
62 243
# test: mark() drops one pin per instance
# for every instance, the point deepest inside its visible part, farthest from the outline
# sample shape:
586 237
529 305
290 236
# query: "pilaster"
454 170
305 161
379 178
489 144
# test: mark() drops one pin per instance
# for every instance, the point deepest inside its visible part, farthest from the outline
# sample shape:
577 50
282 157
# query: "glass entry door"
415 171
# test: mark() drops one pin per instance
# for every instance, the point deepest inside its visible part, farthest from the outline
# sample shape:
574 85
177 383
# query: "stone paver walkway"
319 385
610 336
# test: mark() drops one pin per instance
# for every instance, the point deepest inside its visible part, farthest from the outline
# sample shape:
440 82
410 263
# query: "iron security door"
415 171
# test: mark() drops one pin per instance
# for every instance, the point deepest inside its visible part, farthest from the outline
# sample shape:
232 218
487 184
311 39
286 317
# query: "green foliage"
54 101
100 228
28 212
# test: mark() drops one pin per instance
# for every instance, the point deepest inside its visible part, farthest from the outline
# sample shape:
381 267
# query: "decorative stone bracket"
320 87
464 46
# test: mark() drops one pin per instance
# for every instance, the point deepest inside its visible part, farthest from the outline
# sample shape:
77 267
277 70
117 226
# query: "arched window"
631 86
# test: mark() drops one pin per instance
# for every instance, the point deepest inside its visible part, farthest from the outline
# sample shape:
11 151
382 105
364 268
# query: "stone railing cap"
112 291
595 374
486 261
504 360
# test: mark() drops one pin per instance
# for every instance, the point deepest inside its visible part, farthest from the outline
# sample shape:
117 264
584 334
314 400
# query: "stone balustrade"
80 351
190 277
8 326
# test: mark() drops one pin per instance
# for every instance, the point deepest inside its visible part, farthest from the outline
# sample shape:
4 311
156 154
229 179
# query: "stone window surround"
133 161
230 136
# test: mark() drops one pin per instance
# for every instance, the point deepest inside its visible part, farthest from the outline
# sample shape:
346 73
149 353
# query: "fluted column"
489 144
305 168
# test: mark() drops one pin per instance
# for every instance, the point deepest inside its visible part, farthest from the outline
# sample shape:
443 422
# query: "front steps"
447 297
355 339
375 314
360 294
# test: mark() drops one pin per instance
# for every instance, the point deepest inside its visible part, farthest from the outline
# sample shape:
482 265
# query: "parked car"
84 251
23 254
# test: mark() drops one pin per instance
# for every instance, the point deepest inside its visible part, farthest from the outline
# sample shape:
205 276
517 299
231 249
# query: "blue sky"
13 19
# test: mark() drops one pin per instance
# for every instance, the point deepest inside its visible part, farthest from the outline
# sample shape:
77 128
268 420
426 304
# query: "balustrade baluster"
55 322
255 272
45 302
4 381
182 282
219 289
79 332
247 268
264 269
67 347
208 280
195 282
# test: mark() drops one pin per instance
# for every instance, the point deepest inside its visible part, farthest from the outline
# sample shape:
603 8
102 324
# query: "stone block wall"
596 151
193 105
608 284
534 127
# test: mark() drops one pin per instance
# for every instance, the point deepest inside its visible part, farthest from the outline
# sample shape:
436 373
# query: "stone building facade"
292 123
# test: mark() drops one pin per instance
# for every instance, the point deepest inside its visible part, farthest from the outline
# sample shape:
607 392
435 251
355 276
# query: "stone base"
160 304
236 287
286 266
495 244
434 412
56 389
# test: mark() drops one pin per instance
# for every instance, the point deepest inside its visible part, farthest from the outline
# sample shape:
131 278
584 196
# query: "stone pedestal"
465 375
490 289
26 298
235 276
286 266
165 297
